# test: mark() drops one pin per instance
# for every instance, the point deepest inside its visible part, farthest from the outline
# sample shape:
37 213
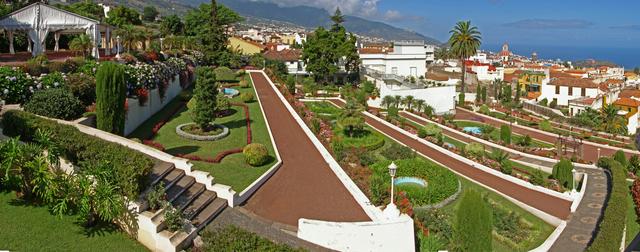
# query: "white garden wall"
136 114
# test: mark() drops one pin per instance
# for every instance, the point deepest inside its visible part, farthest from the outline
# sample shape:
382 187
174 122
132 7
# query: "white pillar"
29 44
11 49
56 36
107 36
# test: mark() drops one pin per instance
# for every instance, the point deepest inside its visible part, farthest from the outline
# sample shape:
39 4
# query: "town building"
245 46
406 58
484 71
290 57
505 54
582 93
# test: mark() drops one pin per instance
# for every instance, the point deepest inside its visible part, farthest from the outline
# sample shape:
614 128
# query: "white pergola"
39 19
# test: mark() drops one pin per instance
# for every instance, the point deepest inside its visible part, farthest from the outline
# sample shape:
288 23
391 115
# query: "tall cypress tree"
473 224
110 98
205 95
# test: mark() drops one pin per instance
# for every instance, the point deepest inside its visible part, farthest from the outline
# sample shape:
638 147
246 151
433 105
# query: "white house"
484 71
406 58
479 57
442 97
290 57
431 53
564 89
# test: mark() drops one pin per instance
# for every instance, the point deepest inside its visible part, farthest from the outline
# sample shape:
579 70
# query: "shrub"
396 151
506 167
634 164
422 133
562 172
37 66
437 221
56 103
505 134
621 158
224 74
246 97
156 196
475 149
553 103
392 112
432 129
255 154
15 86
232 238
525 141
82 86
546 126
174 218
53 80
367 158
130 167
474 223
337 146
611 227
222 104
205 94
110 98
484 109
537 178
543 102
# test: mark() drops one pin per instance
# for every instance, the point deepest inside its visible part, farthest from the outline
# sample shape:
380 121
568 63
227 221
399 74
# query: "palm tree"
498 155
81 43
418 103
428 110
388 101
464 43
130 36
398 100
408 101
146 35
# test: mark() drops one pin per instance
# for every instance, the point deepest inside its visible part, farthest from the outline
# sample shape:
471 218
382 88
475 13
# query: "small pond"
410 181
230 92
474 130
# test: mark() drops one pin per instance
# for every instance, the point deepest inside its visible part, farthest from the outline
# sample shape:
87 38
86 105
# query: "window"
557 89
394 70
584 92
413 71
570 91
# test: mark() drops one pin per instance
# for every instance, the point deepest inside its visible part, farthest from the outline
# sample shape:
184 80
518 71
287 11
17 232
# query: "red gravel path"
590 150
305 186
552 205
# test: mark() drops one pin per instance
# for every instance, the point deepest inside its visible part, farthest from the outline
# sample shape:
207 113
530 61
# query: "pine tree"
205 95
473 224
110 98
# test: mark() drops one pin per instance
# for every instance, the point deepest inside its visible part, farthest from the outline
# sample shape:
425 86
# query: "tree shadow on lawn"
183 149
227 113
100 229
237 123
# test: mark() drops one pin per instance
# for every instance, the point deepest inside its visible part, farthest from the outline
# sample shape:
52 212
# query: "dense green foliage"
82 86
149 13
247 97
207 25
110 98
121 15
396 151
442 183
611 227
351 119
432 129
473 224
56 103
562 172
130 167
224 74
232 238
475 149
256 154
621 158
205 95
505 134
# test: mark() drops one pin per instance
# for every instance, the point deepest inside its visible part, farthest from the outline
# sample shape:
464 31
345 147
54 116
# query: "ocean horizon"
629 58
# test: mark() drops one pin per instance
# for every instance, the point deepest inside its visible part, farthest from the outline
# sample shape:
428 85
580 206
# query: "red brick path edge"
218 158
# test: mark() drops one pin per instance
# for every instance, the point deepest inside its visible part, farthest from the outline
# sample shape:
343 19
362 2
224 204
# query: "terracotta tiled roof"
573 82
583 101
284 55
575 72
437 77
557 74
628 93
628 102
613 82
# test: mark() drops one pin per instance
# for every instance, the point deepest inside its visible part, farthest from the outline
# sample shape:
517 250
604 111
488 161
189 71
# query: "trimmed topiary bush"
247 97
205 96
562 172
484 109
224 74
621 158
256 154
55 103
473 224
505 134
110 97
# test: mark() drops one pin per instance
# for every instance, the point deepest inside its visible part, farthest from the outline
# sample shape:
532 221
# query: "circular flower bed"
187 130
442 183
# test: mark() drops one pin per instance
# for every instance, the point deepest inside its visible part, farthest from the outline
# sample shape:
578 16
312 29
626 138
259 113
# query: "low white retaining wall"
546 245
394 235
136 114
583 188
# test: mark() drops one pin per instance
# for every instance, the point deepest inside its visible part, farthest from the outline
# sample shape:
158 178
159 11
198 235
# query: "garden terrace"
534 230
221 158
495 134
27 226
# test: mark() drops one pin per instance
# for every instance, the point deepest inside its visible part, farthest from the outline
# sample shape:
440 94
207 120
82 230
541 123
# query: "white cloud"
364 8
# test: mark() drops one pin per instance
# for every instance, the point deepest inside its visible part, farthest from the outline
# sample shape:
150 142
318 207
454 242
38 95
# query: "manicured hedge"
55 103
611 228
84 150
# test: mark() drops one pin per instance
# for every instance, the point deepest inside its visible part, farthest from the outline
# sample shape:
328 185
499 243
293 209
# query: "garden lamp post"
392 211
161 43
573 180
118 47
598 153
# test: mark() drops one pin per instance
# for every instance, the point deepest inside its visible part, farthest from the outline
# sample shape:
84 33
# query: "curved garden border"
218 158
445 202
182 133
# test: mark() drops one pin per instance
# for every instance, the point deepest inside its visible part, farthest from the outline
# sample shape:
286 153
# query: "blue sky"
585 23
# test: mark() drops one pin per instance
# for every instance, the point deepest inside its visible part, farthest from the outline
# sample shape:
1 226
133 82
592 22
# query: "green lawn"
539 232
25 227
495 134
233 170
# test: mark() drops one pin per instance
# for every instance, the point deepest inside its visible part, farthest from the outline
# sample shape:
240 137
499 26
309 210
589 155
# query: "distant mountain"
310 17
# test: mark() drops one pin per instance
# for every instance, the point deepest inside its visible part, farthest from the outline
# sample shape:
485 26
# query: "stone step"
159 170
198 204
179 187
208 213
172 177
188 196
